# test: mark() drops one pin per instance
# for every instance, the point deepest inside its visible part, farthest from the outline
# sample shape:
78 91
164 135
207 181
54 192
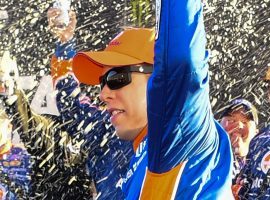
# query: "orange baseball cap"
132 46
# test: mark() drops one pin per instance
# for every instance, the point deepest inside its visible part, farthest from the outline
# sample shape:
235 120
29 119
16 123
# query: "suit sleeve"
179 113
181 129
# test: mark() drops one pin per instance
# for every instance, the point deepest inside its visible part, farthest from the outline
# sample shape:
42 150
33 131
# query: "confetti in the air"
238 40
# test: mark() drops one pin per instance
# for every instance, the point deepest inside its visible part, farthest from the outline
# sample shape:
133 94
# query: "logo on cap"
265 163
114 43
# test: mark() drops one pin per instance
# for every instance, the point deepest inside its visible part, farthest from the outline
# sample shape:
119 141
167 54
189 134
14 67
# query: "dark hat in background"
249 109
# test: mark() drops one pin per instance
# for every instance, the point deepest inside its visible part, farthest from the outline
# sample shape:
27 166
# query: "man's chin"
127 134
124 135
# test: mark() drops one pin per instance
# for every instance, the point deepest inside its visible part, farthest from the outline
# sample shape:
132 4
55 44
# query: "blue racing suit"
108 156
15 169
185 154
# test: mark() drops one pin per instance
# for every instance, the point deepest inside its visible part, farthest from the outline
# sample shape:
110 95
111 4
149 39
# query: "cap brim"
88 66
249 112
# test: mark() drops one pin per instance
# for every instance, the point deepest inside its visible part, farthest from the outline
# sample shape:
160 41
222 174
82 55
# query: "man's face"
241 130
127 106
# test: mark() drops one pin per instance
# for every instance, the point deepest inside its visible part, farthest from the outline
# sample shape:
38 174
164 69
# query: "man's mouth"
116 111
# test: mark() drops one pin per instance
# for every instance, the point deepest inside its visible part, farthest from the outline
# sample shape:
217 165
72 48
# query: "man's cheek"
231 129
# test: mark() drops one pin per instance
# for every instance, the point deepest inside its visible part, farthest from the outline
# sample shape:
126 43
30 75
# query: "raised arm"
178 98
185 144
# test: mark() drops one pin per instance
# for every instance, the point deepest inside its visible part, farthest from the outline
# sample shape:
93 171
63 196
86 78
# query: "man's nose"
106 94
240 124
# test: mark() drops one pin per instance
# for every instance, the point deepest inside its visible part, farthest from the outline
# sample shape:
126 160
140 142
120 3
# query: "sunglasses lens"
116 80
119 77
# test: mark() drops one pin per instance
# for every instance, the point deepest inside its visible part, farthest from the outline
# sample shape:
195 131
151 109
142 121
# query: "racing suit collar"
139 138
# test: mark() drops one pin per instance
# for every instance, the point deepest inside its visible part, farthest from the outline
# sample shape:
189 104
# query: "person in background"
57 158
15 164
253 182
240 120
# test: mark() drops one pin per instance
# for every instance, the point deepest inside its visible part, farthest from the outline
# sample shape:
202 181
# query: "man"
180 151
253 181
240 120
107 156
15 164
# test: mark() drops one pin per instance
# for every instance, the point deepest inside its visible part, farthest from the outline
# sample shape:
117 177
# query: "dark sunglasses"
119 77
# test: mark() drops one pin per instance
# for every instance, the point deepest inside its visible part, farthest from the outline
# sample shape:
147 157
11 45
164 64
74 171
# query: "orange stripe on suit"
161 186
